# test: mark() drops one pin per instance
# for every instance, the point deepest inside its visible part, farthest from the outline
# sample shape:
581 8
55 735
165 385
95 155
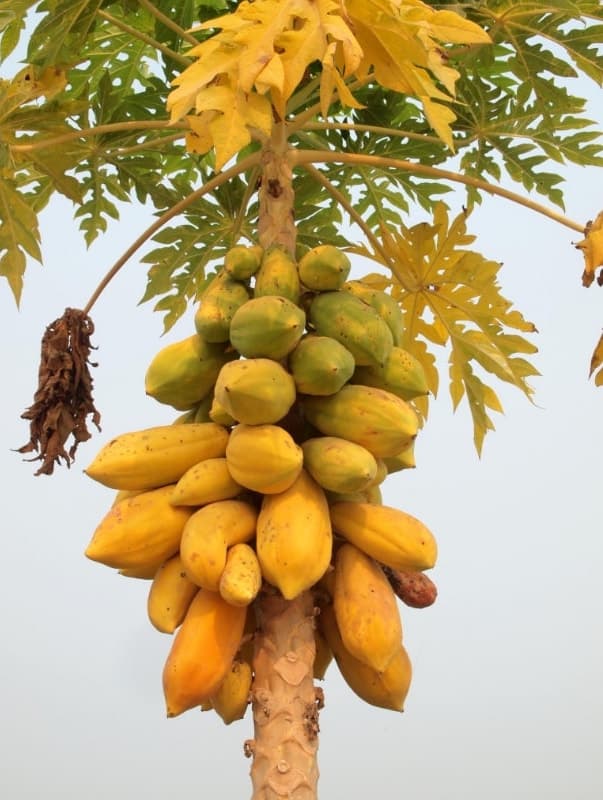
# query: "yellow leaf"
592 250
199 139
595 363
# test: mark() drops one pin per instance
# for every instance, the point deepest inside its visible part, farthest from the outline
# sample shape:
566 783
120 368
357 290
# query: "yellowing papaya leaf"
402 44
450 297
265 48
592 250
596 363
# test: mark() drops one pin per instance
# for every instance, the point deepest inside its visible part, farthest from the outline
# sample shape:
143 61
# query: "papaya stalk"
284 700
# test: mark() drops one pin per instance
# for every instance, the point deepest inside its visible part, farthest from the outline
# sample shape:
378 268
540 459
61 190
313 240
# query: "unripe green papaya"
324 268
218 305
353 324
202 410
241 261
255 391
267 327
184 372
373 418
339 465
320 365
402 374
384 304
277 275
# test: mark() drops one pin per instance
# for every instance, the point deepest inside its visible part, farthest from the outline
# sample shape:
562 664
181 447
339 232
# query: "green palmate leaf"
19 235
516 109
12 23
60 36
450 297
187 251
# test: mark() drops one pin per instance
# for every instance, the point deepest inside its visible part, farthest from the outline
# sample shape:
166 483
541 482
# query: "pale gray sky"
506 700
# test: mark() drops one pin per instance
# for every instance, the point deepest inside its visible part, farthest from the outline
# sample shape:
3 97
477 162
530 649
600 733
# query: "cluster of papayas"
296 403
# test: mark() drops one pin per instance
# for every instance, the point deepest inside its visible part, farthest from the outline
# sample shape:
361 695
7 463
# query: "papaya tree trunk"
285 702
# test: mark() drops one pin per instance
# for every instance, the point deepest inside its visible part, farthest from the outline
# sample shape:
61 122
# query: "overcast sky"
506 700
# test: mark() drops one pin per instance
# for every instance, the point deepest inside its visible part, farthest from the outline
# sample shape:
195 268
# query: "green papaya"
184 372
402 374
242 261
267 327
202 410
255 391
373 418
324 268
277 275
384 304
320 365
353 324
339 465
218 305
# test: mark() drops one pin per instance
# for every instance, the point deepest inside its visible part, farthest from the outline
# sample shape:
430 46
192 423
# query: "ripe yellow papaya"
320 365
267 327
242 261
387 534
218 305
324 268
241 578
156 456
202 652
353 324
339 465
255 391
144 573
387 689
403 460
365 608
277 275
232 698
183 373
402 375
208 534
384 304
380 475
141 531
217 413
373 418
206 482
263 458
294 540
170 595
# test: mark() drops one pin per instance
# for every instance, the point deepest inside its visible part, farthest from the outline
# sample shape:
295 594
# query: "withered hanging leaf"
63 399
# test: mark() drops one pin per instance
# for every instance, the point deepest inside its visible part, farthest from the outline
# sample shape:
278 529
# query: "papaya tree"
274 141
